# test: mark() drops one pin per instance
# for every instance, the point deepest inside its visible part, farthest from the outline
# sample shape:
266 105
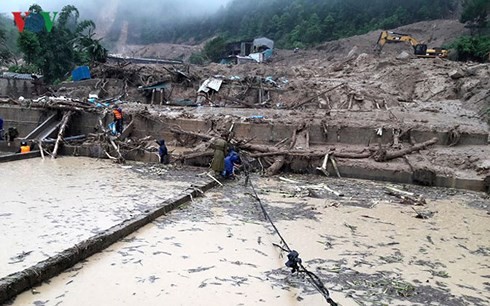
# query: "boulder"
403 56
353 53
456 74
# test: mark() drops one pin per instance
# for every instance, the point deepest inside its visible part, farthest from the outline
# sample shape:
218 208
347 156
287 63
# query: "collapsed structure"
366 113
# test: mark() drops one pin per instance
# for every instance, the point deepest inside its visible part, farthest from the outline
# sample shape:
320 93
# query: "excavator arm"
392 37
420 50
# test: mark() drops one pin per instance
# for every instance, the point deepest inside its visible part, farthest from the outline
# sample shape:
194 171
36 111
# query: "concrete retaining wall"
16 88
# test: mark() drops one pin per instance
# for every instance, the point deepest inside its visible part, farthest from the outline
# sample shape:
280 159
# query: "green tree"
313 30
476 48
328 27
28 43
69 43
215 48
475 12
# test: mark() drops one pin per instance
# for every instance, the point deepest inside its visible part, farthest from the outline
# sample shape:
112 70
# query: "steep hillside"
291 23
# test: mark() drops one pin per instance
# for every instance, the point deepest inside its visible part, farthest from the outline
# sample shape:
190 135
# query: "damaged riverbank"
390 146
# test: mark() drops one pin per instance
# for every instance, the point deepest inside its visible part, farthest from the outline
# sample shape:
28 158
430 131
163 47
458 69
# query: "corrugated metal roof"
160 85
17 76
264 41
211 83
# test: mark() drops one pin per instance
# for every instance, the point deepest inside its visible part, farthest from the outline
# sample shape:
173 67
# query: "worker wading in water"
220 146
118 119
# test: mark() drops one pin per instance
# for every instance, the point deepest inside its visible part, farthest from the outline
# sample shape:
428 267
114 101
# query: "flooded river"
367 247
48 206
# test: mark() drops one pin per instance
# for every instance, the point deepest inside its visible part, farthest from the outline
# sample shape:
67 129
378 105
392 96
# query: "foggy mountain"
110 16
291 23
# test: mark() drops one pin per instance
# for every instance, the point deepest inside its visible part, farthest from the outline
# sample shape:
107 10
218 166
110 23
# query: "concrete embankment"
462 164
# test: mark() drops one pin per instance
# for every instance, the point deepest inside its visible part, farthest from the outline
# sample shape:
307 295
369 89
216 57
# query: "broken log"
276 166
271 152
64 121
383 155
315 96
180 131
238 101
120 159
192 155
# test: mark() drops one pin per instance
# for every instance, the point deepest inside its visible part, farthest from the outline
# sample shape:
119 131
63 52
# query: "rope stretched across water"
312 277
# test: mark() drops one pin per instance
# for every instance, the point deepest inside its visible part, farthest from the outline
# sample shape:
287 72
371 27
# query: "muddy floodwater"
48 206
368 247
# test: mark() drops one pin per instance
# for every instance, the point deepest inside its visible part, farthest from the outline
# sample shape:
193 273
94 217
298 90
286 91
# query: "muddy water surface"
48 206
367 247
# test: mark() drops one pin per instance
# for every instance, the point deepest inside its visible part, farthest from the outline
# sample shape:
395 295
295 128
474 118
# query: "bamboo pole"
64 121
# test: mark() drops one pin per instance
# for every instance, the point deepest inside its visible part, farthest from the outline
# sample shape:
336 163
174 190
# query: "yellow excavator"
420 50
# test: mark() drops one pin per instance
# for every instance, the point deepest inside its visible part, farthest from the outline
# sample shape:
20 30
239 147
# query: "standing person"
220 146
118 119
1 129
163 152
12 134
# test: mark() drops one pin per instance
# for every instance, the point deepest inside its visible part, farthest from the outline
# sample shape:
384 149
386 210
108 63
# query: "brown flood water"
49 205
368 248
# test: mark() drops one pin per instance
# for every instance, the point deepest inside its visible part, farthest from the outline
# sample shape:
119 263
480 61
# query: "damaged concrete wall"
16 88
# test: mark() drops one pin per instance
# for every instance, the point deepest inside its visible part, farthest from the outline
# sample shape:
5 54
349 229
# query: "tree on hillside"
68 44
4 53
7 35
475 13
214 49
474 47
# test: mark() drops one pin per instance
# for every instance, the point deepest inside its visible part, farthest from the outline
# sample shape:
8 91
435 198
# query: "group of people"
10 136
225 158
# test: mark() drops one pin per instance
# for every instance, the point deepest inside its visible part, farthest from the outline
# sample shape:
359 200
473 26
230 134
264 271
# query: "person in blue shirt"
163 152
230 160
1 128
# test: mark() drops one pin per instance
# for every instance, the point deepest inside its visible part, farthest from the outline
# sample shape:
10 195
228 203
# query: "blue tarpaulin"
80 73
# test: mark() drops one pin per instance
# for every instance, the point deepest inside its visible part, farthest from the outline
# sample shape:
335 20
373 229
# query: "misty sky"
8 6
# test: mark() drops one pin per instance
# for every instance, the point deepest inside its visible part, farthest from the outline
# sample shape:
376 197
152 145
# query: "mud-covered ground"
366 246
48 206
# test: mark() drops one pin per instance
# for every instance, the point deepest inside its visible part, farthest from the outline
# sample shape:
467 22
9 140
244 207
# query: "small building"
242 48
261 44
156 93
259 50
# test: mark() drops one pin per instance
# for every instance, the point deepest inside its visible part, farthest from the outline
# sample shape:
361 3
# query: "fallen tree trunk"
276 166
315 96
352 155
64 121
207 153
197 135
383 155
238 101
